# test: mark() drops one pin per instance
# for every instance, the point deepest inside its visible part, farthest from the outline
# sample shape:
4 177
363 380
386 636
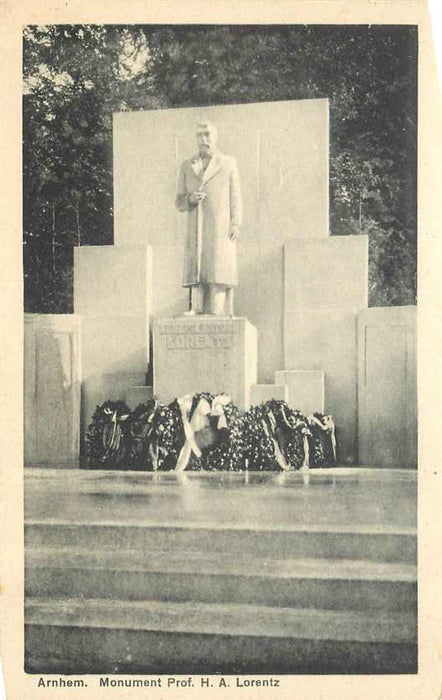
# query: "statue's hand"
234 232
195 197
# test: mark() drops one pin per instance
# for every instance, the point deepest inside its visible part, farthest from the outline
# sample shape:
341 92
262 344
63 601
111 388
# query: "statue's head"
206 136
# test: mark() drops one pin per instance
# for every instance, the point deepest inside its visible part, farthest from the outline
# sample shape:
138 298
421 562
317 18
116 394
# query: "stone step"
101 636
231 619
207 577
383 544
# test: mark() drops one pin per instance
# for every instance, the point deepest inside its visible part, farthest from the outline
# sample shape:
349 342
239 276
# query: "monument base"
205 353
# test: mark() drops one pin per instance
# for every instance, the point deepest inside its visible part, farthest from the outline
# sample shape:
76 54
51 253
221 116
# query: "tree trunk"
77 214
53 242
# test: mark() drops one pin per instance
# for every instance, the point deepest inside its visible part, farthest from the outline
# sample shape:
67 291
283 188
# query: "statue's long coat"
210 255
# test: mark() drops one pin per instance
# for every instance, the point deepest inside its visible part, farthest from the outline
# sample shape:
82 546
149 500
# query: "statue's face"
206 138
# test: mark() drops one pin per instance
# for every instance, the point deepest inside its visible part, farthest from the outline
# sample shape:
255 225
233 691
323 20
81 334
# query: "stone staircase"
146 595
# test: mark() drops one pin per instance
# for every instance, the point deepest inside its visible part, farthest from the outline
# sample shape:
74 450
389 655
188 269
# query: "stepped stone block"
326 340
138 394
326 274
113 280
305 389
114 357
113 296
261 275
205 354
265 392
52 375
114 344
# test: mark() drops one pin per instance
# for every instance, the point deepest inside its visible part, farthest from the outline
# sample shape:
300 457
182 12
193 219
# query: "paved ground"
366 498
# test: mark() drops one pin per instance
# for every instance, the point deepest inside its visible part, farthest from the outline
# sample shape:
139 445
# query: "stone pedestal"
204 353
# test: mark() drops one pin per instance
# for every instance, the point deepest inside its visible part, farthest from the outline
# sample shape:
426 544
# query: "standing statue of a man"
209 191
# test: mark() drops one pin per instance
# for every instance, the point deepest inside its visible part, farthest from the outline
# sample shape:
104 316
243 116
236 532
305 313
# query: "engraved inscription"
190 328
198 341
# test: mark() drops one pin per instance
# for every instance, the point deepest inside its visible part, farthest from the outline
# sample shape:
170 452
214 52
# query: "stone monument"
320 346
306 291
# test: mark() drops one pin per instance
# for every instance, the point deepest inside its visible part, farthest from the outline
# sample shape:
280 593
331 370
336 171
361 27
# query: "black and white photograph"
220 403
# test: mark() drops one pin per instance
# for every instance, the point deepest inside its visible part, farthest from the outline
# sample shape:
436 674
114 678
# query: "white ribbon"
114 443
218 404
330 427
154 456
280 457
200 416
286 420
198 421
277 450
306 462
272 420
